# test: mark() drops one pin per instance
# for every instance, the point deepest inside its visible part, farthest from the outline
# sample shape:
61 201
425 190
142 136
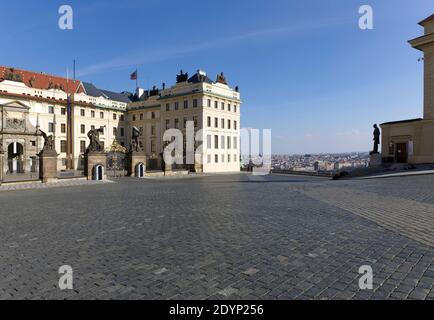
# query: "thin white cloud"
145 56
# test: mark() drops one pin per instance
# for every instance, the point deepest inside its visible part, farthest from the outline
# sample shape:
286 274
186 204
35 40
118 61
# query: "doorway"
140 170
15 158
98 173
401 153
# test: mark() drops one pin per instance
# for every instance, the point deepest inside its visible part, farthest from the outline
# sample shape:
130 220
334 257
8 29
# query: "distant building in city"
411 141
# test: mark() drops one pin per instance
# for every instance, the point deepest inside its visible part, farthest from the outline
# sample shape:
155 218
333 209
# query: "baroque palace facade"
69 109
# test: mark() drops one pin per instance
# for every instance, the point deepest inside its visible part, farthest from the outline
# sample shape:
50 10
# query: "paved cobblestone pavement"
220 237
39 185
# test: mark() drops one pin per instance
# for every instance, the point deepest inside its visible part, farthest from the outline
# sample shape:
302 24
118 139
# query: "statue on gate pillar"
136 144
95 143
49 144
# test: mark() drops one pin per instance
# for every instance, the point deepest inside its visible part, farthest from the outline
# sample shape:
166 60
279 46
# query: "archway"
140 170
98 172
15 158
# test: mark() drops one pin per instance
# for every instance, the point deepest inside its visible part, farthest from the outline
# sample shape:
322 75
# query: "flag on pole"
134 75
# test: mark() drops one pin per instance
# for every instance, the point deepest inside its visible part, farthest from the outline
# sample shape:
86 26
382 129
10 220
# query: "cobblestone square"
220 237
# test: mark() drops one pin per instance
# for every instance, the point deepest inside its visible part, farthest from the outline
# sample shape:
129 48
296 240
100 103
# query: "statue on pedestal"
136 144
49 144
95 143
376 139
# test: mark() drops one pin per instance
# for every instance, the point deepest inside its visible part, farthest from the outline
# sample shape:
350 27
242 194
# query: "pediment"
16 105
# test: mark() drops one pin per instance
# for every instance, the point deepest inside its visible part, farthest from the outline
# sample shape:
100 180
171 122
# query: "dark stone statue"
181 77
49 144
95 143
136 145
376 139
221 78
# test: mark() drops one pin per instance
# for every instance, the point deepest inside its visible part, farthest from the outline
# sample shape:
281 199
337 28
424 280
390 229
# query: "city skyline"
300 98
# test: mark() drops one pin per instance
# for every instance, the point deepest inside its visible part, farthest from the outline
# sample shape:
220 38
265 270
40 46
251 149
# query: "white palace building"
69 109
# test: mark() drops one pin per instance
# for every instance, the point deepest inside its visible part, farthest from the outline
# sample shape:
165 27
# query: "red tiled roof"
42 81
424 21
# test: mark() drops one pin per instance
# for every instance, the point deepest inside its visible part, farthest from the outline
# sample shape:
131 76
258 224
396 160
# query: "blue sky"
304 68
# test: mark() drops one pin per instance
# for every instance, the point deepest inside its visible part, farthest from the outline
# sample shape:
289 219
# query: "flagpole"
137 79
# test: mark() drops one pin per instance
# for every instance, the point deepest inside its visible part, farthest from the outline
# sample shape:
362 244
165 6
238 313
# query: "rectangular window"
82 112
153 146
92 114
115 131
229 107
223 123
209 103
50 109
216 122
122 132
153 130
235 125
235 158
63 146
229 158
235 142
229 124
223 142
167 107
101 115
196 121
229 142
167 124
208 141
185 123
63 128
209 121
223 158
216 158
82 146
195 103
216 104
235 109
153 115
122 117
141 116
216 142
185 104
223 105
176 105
62 111
134 117
176 123
82 129
51 127
115 116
